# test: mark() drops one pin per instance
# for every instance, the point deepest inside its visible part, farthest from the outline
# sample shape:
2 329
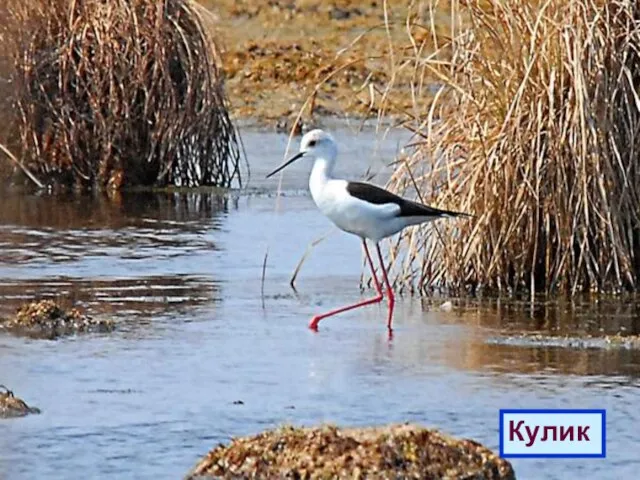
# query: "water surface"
200 355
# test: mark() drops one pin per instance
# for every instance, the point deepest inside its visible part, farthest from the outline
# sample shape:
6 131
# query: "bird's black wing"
379 196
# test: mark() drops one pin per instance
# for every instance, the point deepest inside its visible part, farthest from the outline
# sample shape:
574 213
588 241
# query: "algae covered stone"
46 319
12 406
394 451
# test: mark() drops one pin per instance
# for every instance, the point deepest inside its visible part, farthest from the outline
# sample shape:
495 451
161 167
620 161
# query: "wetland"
201 352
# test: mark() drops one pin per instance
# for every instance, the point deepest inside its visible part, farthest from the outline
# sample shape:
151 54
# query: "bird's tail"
436 215
451 213
457 214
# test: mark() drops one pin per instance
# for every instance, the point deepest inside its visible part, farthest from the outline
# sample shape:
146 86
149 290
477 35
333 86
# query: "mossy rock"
46 319
12 406
327 452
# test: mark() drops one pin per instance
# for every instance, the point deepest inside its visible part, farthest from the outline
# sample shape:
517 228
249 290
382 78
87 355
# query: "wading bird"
363 209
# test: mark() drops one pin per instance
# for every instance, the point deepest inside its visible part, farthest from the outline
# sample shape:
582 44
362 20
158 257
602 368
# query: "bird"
362 209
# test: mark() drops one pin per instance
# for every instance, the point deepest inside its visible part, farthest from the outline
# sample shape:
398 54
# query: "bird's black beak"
288 162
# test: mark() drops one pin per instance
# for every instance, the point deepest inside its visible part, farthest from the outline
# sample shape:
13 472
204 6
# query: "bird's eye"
312 143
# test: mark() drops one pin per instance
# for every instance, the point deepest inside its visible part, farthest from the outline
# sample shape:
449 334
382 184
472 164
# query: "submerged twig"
26 171
307 252
264 274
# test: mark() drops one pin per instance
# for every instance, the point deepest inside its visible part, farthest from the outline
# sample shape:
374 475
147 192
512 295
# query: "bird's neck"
321 173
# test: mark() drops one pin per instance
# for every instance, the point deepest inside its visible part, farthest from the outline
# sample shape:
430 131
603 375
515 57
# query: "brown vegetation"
535 132
404 451
108 94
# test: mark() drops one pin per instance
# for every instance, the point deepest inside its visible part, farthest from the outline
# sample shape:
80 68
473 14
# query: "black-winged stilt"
362 209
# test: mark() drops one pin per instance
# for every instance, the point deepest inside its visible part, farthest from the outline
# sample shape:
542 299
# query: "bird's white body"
366 220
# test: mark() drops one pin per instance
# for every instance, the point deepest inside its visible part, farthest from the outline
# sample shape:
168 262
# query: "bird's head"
318 143
314 144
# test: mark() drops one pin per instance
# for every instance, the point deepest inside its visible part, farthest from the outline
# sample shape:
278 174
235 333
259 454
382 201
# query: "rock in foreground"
11 406
395 451
46 319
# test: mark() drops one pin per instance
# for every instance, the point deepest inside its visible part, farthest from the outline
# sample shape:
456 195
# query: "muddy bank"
47 319
274 54
409 451
568 341
610 323
12 406
580 316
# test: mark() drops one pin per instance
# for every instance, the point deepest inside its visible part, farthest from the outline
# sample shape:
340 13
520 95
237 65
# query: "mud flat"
393 451
629 342
276 54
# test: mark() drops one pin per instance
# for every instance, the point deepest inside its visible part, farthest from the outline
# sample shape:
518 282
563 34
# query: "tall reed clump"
536 131
104 94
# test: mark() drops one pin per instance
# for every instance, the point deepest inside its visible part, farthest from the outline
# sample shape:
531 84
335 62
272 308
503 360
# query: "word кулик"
553 433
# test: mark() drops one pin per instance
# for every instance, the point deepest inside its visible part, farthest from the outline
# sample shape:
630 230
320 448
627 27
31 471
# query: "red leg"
377 299
373 270
390 297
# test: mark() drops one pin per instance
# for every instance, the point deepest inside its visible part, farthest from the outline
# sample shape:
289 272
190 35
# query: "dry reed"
104 94
536 131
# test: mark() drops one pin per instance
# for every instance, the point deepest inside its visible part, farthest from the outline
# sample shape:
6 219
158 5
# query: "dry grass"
535 130
107 94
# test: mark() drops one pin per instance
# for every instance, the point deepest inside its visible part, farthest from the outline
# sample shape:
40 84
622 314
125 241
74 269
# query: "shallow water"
180 273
